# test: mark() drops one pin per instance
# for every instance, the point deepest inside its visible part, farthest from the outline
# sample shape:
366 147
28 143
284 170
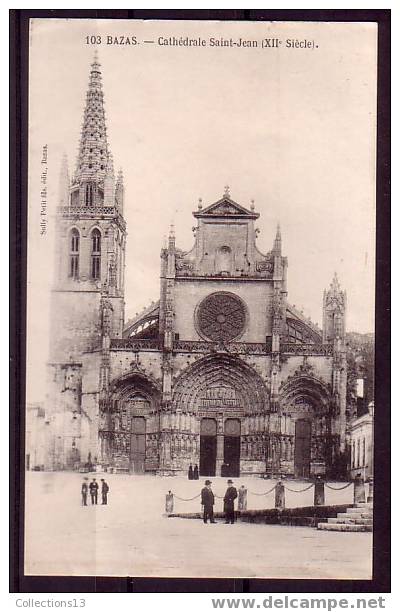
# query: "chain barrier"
266 492
270 491
189 499
338 488
299 490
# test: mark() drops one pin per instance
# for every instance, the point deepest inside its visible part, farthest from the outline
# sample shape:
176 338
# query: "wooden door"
232 448
302 449
208 447
138 445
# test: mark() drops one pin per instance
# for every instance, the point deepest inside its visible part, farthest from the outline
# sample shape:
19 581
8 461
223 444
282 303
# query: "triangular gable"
226 207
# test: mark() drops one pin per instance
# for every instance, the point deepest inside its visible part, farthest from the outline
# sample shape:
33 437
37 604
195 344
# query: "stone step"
354 515
343 527
359 508
350 521
366 505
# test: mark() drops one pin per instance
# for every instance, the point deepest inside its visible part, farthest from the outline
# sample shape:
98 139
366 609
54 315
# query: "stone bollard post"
359 489
242 501
169 503
279 495
370 497
319 492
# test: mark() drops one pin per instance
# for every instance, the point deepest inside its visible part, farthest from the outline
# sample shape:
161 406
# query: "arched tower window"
96 254
89 195
74 254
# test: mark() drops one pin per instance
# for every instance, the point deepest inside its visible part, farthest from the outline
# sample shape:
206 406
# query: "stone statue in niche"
106 317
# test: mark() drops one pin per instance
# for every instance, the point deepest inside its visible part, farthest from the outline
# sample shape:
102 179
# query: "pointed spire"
64 182
278 240
93 153
335 286
334 289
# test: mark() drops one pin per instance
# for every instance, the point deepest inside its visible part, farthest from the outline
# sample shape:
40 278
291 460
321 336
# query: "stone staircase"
358 517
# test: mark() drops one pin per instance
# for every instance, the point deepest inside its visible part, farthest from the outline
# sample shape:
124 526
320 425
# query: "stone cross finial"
226 193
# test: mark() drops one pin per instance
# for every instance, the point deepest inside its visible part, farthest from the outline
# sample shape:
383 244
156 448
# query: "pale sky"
293 129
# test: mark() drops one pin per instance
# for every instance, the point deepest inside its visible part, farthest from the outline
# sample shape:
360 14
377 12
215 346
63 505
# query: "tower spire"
335 286
93 156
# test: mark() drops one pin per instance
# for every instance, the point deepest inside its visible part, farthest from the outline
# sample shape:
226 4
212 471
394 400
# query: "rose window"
221 317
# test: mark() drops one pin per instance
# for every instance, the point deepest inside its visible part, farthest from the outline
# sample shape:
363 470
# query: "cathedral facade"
221 371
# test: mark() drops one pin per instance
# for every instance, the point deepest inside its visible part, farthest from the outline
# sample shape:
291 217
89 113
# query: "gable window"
223 260
74 254
96 254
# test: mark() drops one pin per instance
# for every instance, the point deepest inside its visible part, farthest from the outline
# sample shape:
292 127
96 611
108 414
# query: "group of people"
193 472
93 489
208 499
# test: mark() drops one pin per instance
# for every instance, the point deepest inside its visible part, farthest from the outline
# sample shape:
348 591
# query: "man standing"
104 491
207 501
84 491
229 503
93 488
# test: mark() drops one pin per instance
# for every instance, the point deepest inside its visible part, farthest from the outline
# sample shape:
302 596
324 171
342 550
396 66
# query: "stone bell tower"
334 332
334 312
90 238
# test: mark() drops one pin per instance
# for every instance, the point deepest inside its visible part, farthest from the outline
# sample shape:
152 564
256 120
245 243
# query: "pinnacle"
335 282
278 239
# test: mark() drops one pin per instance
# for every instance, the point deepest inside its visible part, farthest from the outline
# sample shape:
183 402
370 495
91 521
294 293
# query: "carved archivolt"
304 393
220 382
136 382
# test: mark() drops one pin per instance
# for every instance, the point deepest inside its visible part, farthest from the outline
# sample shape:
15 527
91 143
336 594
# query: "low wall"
305 516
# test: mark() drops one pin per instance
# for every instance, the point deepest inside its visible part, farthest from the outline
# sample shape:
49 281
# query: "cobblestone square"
131 537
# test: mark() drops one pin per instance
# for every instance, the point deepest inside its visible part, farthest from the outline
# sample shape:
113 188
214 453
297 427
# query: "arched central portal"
223 393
